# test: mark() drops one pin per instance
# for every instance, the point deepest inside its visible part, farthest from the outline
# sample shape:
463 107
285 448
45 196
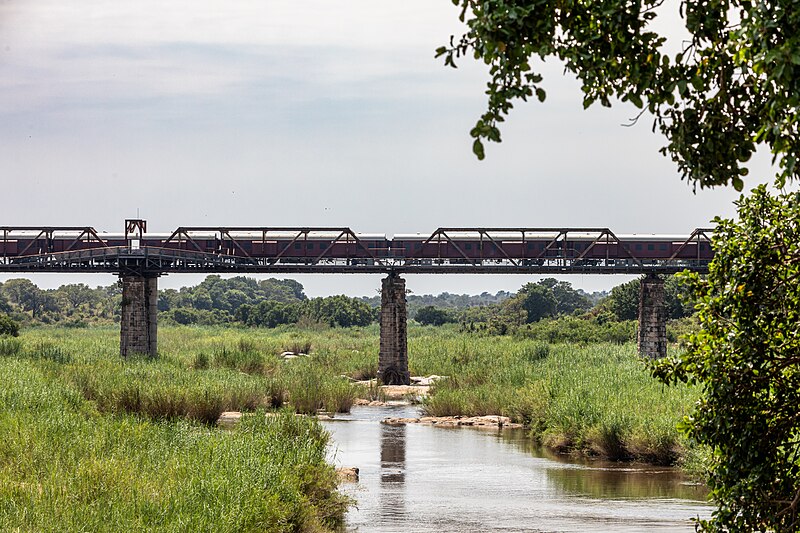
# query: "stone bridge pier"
393 357
139 323
652 336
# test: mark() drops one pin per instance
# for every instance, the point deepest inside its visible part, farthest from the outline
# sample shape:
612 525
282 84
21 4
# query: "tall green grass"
64 466
594 398
597 399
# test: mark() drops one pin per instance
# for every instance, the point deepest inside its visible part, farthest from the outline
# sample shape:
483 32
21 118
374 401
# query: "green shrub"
8 327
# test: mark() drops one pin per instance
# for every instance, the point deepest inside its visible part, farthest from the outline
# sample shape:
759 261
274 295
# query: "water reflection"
393 454
595 478
393 473
434 480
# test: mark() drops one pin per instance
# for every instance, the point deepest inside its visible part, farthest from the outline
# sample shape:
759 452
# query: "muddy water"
426 479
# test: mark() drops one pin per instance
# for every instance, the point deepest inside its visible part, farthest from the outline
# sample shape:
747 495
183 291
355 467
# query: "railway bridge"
139 258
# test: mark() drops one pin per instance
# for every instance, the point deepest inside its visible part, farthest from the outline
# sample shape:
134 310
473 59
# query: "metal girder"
699 235
499 250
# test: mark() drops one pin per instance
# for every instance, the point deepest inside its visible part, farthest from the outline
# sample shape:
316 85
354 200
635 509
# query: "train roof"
283 234
506 236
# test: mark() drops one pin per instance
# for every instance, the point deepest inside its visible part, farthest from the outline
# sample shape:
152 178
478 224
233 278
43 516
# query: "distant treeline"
548 309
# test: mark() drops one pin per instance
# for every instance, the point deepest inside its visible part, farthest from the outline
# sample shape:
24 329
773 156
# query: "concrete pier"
139 323
652 336
393 358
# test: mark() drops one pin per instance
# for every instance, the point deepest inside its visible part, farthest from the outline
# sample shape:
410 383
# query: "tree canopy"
734 85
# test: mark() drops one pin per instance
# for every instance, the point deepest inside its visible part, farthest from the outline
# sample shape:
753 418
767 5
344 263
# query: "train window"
662 247
531 245
468 246
651 247
638 247
417 245
310 245
298 245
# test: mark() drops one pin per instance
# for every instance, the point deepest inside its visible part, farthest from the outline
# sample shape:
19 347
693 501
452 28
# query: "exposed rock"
375 403
426 381
347 474
397 392
228 419
292 355
488 421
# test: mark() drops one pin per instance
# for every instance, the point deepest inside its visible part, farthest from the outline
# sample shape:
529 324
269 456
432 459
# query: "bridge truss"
293 250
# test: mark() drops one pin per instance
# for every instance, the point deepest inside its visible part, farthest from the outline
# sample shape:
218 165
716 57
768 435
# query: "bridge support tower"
652 336
139 323
393 358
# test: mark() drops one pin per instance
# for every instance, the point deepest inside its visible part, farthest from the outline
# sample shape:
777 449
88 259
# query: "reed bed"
596 399
65 466
592 398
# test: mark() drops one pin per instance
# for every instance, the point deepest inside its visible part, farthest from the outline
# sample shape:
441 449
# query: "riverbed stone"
348 474
487 421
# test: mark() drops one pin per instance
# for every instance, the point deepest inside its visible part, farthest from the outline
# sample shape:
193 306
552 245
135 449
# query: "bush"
8 327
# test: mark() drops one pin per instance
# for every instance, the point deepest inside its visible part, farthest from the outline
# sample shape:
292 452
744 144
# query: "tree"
5 307
339 311
28 297
432 316
568 300
733 86
74 295
538 301
746 358
270 314
623 301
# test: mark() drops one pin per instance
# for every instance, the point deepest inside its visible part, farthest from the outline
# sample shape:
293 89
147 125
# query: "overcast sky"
301 112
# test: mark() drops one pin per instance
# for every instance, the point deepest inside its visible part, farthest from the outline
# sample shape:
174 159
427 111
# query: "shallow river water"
427 479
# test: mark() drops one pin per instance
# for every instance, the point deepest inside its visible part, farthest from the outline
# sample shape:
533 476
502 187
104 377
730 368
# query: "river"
426 479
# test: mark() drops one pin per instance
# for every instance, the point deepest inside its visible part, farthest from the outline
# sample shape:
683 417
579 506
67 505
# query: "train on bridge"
139 258
521 247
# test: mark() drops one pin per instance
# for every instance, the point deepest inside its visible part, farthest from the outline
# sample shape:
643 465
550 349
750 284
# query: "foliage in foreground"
66 467
732 85
745 358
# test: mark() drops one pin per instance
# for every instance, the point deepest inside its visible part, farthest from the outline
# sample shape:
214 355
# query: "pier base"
393 358
652 336
139 323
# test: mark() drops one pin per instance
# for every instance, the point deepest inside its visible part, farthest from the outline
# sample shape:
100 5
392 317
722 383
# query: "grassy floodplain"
92 442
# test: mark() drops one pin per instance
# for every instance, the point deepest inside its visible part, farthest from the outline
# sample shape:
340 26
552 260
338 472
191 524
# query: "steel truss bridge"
293 250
